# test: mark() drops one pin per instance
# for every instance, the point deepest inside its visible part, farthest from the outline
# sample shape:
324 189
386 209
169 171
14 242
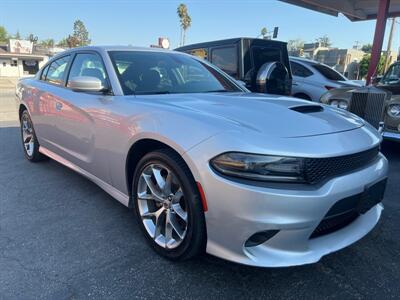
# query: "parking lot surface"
62 237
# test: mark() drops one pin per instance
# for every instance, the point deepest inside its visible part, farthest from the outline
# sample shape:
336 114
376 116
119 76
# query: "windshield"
329 73
392 76
148 72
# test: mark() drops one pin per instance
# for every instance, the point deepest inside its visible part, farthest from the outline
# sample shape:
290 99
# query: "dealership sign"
20 46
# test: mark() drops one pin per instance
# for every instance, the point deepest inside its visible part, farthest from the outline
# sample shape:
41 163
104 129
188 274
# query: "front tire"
29 139
168 206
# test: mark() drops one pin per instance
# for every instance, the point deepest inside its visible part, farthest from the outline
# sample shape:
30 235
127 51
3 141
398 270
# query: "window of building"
299 70
88 64
57 69
14 63
226 59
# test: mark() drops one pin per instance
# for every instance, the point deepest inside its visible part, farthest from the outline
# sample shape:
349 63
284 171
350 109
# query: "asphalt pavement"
62 237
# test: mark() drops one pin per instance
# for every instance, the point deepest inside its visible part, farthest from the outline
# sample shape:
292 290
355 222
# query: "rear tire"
29 140
167 205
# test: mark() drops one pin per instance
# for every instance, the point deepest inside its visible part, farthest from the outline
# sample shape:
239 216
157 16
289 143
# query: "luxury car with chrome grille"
378 104
257 179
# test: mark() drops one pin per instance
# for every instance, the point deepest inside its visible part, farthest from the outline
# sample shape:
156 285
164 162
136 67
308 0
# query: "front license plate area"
372 195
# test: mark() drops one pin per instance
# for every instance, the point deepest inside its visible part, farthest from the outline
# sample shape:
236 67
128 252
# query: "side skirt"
121 197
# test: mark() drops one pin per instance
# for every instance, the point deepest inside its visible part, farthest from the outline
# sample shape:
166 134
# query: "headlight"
394 110
260 167
334 103
339 103
343 104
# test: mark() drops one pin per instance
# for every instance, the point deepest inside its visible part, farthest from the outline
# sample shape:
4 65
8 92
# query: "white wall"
15 71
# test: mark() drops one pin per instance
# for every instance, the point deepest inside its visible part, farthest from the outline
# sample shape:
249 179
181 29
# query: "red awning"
355 10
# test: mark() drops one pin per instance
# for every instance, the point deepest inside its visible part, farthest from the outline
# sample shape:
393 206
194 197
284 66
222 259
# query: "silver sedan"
206 166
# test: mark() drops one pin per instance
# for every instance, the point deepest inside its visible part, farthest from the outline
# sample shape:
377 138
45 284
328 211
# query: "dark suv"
263 65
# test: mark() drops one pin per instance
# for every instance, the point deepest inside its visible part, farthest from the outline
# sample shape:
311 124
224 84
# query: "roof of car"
305 60
102 48
227 41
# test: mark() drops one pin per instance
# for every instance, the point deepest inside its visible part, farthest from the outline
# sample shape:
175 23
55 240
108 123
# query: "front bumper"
391 135
236 211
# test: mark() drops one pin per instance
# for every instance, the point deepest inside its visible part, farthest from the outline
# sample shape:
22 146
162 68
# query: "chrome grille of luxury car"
368 103
320 169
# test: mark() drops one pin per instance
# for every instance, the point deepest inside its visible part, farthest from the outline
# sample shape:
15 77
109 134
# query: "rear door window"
300 70
56 72
262 55
329 73
226 58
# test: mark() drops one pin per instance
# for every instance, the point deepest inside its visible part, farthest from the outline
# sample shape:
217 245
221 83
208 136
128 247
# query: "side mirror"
86 84
273 78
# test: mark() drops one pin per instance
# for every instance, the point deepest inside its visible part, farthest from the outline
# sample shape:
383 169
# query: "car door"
80 112
45 111
301 86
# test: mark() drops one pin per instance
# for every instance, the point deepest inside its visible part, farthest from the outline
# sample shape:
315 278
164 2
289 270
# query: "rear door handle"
59 106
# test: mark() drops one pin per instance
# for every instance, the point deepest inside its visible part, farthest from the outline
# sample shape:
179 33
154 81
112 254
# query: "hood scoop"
306 109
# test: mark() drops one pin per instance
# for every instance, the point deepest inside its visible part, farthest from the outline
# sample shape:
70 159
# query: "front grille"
320 169
368 103
345 211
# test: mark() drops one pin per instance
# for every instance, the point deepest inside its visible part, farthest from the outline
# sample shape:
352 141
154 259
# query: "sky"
141 22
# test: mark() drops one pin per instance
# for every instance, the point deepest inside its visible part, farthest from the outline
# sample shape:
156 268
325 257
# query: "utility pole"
389 45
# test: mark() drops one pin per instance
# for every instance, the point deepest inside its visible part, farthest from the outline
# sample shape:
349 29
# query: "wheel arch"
137 151
21 109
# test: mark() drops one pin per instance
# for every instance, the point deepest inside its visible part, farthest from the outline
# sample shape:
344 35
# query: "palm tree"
185 20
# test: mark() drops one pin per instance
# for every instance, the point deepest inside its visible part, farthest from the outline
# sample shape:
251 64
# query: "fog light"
260 237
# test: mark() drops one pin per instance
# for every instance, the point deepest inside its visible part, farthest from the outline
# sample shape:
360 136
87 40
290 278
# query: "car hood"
276 116
349 83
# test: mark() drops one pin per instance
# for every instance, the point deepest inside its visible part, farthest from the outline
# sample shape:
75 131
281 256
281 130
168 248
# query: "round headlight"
343 104
394 110
334 103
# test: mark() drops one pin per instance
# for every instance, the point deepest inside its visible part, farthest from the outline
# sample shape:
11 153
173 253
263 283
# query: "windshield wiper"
153 93
218 91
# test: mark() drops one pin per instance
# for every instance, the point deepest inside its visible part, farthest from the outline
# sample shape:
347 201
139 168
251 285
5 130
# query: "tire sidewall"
195 212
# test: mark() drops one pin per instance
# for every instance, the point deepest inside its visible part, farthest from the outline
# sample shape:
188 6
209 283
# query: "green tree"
3 35
367 48
80 35
63 43
185 20
295 45
264 32
325 41
48 43
364 64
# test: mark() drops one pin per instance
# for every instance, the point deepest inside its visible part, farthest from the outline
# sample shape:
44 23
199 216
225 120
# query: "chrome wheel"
27 135
162 206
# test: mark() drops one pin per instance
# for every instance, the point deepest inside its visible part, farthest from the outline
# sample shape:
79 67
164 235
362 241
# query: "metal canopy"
355 10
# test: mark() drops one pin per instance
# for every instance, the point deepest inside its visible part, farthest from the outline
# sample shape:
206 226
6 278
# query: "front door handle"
59 106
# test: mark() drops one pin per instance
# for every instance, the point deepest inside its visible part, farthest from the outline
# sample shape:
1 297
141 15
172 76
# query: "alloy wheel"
162 205
27 135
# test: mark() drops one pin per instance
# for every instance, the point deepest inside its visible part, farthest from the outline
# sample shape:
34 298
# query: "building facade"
17 59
